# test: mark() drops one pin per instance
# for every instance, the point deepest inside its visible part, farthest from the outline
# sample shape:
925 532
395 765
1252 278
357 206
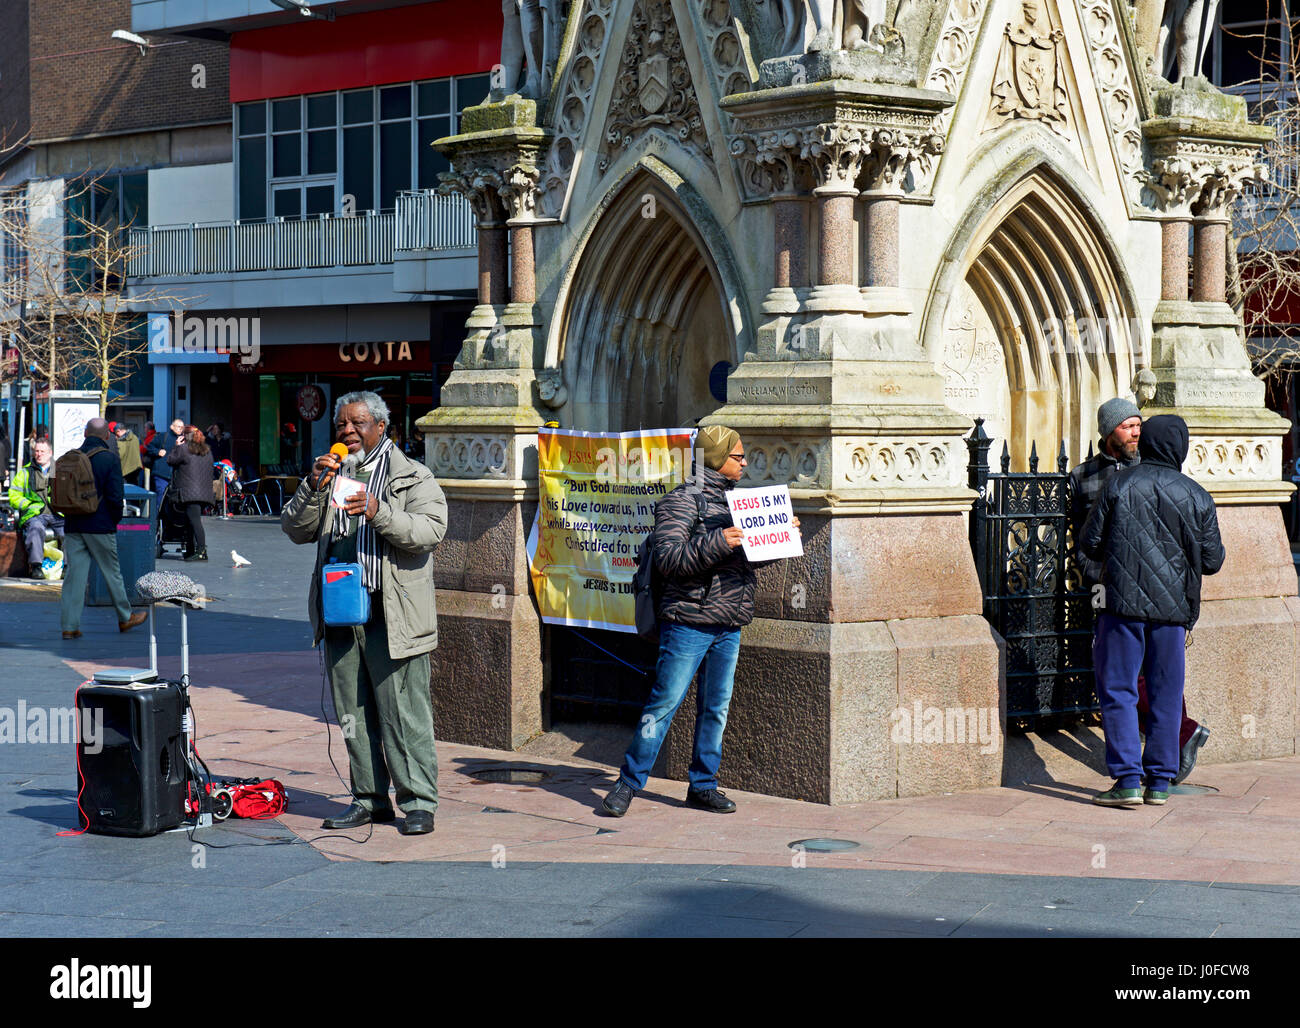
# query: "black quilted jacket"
1155 532
1085 486
705 581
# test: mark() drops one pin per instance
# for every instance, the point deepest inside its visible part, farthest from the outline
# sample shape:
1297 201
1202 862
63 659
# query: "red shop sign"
311 403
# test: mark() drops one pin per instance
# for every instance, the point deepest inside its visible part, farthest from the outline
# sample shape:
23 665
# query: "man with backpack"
707 596
88 491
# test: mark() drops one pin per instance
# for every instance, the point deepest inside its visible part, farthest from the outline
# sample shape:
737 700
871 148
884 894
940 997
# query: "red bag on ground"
254 800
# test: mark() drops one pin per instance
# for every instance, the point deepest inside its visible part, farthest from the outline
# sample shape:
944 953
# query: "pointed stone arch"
1044 277
647 310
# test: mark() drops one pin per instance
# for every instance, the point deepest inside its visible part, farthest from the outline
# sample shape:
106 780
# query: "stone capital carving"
773 162
480 186
833 132
519 191
836 153
1198 160
1201 182
893 152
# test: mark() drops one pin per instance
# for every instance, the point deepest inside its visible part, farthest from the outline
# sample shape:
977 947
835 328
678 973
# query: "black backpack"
647 585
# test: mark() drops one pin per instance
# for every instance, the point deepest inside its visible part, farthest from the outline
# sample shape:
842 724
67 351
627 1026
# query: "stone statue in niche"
814 25
1029 82
531 39
1190 24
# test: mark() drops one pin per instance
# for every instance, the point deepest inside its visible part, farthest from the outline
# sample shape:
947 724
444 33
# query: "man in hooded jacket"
1155 532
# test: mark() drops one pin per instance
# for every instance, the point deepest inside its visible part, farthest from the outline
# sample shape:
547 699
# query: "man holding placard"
707 597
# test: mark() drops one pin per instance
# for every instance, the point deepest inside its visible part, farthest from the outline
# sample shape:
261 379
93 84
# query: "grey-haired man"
379 670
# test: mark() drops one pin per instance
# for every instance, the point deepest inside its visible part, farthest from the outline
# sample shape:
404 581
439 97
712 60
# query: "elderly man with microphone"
371 602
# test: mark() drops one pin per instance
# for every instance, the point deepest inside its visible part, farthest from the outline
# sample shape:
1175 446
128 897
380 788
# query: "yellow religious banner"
597 500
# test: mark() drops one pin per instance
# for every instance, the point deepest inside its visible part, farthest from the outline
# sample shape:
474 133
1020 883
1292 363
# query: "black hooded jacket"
1155 532
705 580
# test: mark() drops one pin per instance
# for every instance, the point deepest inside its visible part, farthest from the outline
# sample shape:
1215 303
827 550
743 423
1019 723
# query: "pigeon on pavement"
240 562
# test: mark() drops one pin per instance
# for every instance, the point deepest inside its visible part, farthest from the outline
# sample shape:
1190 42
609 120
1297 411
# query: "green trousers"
79 549
386 714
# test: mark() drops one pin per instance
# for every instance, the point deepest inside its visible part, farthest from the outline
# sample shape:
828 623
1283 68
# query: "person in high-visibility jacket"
29 498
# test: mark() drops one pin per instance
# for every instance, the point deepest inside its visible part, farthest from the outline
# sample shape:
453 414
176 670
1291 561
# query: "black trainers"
619 799
710 799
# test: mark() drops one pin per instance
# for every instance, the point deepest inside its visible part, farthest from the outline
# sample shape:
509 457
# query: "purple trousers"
1123 649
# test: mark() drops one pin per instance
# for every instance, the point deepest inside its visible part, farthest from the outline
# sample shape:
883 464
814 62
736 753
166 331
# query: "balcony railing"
427 221
229 247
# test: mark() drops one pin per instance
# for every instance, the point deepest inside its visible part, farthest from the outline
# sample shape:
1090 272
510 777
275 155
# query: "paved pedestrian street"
531 856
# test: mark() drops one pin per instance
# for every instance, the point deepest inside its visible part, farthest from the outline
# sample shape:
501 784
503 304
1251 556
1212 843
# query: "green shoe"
1117 797
1156 797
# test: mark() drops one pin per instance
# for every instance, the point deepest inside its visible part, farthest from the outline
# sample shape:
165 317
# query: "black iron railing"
1034 594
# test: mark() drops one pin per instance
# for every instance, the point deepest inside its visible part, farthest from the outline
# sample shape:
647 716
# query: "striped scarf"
369 545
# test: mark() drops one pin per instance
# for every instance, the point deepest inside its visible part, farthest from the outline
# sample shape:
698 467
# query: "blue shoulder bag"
344 599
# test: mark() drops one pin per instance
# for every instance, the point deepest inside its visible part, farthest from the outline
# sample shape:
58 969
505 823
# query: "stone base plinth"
828 712
1242 677
487 672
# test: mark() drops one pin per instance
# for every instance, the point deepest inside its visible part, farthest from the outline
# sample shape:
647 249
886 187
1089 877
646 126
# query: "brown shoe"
138 618
75 634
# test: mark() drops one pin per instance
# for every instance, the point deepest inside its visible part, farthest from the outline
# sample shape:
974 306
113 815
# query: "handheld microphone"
340 451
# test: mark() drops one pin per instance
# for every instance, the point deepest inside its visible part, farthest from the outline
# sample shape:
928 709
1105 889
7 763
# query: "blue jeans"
1123 649
682 648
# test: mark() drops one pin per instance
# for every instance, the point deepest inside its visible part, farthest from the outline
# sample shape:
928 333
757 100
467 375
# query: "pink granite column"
523 273
882 239
1173 260
1210 264
791 243
836 246
492 261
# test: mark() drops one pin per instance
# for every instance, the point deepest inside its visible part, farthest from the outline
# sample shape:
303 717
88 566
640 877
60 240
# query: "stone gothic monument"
889 218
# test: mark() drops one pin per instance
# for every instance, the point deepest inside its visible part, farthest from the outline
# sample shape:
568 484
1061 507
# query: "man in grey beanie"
1119 425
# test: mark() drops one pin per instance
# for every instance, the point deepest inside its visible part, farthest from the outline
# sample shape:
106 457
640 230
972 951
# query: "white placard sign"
70 410
767 519
343 488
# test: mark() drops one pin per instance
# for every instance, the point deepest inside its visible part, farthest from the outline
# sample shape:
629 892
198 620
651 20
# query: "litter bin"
135 548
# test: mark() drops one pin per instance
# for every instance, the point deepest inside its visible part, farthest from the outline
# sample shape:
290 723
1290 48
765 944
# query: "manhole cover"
512 775
1192 790
824 845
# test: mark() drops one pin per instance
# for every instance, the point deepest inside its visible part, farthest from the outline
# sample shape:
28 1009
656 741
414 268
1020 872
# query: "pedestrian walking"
1155 533
708 595
1119 423
379 668
191 464
93 536
29 498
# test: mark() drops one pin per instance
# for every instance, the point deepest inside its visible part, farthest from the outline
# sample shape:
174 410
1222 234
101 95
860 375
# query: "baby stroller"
173 525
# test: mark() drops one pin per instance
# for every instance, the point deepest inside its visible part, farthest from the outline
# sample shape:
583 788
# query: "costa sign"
374 353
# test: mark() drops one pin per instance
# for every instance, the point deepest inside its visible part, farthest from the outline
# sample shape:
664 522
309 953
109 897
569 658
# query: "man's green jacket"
29 493
411 521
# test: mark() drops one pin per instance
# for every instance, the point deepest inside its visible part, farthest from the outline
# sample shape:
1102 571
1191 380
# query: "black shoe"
357 815
1188 754
36 571
418 822
198 554
617 802
710 799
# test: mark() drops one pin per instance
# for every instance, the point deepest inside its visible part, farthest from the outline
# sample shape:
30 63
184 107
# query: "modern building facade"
146 125
322 231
